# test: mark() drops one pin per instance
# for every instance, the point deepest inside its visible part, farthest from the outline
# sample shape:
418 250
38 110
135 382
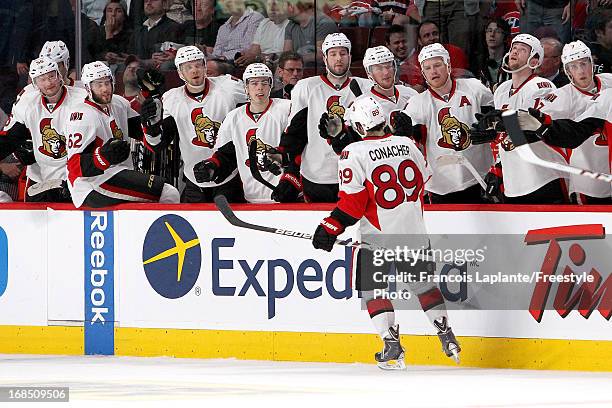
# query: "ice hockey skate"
450 345
392 355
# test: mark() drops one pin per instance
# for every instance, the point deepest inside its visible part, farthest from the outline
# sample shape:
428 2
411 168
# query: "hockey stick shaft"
253 165
522 147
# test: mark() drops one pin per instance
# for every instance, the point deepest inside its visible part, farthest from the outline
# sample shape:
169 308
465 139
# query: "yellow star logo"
179 249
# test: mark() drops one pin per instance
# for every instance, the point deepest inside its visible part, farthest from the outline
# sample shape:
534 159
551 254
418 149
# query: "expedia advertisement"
194 270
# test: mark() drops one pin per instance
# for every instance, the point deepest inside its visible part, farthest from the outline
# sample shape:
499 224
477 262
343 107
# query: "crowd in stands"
287 35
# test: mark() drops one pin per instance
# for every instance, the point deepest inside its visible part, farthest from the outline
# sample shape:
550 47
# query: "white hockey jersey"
520 177
198 120
44 121
319 95
241 127
394 104
448 132
88 126
381 183
569 102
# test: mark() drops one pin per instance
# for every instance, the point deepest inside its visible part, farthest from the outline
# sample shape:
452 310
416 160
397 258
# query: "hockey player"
58 52
261 121
99 163
381 187
446 110
523 183
571 101
37 116
309 159
380 65
195 112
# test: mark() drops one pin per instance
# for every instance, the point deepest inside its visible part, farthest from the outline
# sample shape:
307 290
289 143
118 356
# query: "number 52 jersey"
381 183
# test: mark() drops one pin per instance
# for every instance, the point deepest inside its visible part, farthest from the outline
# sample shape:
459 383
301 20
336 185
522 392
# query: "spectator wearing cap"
236 35
109 41
202 30
290 70
147 39
551 66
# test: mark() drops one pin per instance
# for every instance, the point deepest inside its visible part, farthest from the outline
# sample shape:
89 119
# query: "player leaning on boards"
195 112
444 112
381 185
100 167
307 158
261 121
570 102
37 117
523 183
380 65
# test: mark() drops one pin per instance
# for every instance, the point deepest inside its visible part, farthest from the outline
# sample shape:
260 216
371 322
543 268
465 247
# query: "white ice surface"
172 383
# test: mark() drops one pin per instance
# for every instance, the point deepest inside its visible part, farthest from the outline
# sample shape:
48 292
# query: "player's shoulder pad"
503 88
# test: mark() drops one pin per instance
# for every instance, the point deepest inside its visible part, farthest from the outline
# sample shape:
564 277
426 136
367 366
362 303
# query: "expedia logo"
117 133
53 144
455 134
3 261
171 256
205 128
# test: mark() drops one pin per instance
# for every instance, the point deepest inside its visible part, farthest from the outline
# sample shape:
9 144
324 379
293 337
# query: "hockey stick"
522 147
232 218
253 165
448 159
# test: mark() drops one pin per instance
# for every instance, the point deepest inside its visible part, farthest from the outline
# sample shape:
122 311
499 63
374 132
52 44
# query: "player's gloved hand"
150 82
151 113
339 142
533 120
114 151
330 126
481 136
326 234
491 120
25 153
270 159
206 171
402 125
494 182
288 188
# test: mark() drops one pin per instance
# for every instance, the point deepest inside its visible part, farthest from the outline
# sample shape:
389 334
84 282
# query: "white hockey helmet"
365 114
57 51
574 51
41 66
432 51
536 50
377 55
257 70
185 54
335 40
93 71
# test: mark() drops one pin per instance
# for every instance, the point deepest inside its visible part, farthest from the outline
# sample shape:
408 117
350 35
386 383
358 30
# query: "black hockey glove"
326 234
25 153
151 82
491 120
288 188
207 170
344 139
114 151
402 125
151 115
330 126
481 136
494 181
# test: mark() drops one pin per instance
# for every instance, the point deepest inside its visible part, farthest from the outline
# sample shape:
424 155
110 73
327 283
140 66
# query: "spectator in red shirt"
429 33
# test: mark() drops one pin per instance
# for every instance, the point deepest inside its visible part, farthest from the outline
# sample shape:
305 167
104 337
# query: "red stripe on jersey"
74 168
378 306
128 192
371 212
328 82
57 105
431 299
353 204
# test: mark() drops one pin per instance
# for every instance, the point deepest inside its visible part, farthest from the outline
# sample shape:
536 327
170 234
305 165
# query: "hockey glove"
114 151
25 153
339 142
206 171
288 188
330 126
326 234
402 124
481 136
151 114
150 82
491 120
533 120
495 182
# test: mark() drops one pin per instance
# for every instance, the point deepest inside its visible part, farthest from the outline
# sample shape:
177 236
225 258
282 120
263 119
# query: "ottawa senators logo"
334 107
455 134
206 129
251 136
506 143
115 130
53 144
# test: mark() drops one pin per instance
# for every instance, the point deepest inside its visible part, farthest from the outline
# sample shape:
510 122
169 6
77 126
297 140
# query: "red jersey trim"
98 107
450 94
57 105
515 91
597 85
327 81
381 96
204 93
250 114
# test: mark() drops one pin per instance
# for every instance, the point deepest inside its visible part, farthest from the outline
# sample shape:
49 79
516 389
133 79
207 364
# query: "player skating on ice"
381 186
